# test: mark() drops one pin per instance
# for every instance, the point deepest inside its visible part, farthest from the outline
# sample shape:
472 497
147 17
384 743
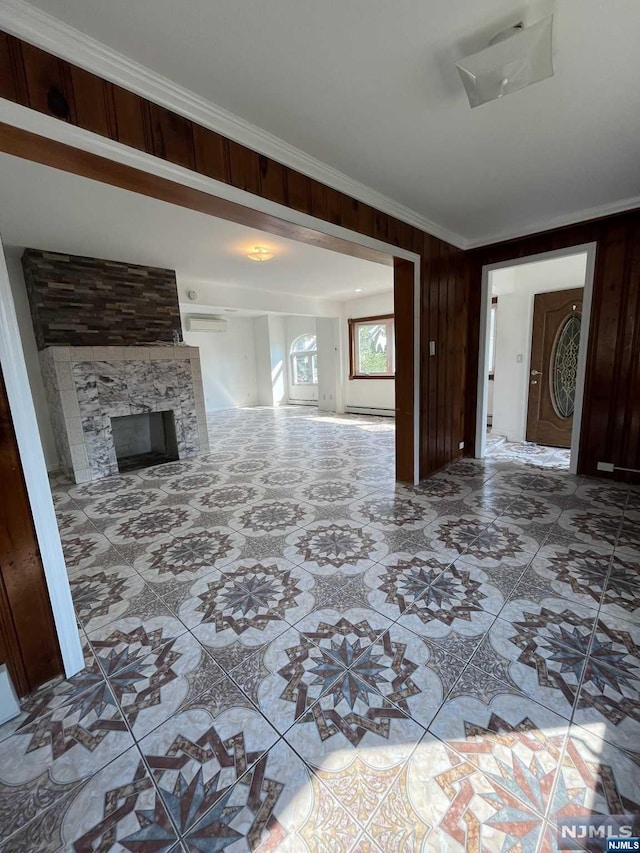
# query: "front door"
555 340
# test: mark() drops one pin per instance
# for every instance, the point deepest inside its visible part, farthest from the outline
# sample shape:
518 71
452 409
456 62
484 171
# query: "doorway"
406 294
553 371
533 344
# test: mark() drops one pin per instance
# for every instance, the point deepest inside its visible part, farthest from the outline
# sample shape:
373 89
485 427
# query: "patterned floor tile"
121 504
158 684
145 527
610 692
509 738
272 517
188 555
595 778
462 808
451 535
49 753
326 547
277 805
229 496
250 601
127 640
541 648
576 572
118 808
612 496
468 603
330 493
198 755
455 601
629 540
598 527
85 549
443 488
337 659
530 509
392 512
102 595
502 544
622 591
397 581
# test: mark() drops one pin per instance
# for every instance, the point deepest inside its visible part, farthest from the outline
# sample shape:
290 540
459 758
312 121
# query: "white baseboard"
302 403
366 410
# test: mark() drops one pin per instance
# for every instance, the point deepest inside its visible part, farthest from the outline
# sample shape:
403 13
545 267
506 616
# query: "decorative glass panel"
564 366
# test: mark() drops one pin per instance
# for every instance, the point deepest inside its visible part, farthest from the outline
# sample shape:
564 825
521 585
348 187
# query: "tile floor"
285 651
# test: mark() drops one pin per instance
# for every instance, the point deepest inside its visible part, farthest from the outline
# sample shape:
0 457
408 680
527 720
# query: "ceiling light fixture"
260 253
358 290
514 59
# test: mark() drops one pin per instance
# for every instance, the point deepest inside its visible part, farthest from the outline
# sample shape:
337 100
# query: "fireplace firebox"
144 439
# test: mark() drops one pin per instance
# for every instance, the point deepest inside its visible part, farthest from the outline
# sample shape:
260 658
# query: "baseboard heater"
302 403
368 410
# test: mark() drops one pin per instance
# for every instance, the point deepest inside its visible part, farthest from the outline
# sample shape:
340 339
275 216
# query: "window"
492 337
304 360
372 348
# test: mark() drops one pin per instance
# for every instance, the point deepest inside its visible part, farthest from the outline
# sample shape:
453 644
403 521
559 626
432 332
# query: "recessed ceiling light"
358 290
260 253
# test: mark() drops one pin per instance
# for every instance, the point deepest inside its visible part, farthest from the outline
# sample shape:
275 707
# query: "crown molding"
53 35
567 219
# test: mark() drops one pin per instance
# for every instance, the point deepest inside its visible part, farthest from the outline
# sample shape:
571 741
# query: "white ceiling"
540 276
44 208
370 88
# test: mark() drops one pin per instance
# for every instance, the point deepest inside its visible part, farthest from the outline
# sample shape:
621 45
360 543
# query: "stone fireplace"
117 408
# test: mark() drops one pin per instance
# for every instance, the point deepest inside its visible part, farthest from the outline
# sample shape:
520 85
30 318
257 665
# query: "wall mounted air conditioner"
206 324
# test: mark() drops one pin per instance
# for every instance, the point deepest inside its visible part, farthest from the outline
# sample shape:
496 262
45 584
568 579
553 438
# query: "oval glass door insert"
564 366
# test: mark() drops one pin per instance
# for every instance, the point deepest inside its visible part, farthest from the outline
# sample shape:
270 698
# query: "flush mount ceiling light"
514 59
260 253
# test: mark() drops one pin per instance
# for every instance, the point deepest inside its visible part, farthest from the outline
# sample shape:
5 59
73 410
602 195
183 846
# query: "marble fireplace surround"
87 386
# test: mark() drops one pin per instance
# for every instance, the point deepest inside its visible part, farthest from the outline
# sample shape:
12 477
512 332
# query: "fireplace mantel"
87 386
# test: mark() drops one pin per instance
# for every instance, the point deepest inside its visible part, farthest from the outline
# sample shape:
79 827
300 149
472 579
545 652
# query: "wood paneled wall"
43 82
28 641
611 415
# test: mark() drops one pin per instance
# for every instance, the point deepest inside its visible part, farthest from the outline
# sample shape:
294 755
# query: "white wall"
514 323
228 361
212 296
296 326
330 396
511 383
278 357
263 360
366 393
27 336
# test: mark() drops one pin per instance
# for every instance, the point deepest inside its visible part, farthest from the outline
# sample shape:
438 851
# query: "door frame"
590 250
12 358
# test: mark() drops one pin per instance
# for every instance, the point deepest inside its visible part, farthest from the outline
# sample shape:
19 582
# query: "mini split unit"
206 324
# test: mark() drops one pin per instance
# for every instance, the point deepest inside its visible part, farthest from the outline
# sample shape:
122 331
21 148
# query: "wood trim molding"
51 34
25 21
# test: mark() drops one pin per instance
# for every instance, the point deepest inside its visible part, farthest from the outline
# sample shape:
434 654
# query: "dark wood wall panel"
35 79
611 415
28 640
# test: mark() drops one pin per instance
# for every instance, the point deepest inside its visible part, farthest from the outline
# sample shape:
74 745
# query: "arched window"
304 360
